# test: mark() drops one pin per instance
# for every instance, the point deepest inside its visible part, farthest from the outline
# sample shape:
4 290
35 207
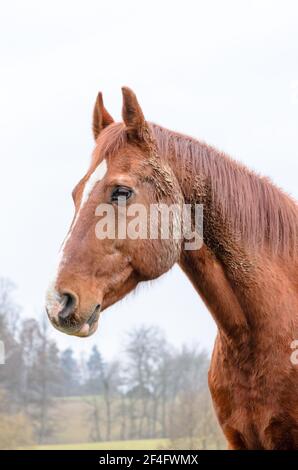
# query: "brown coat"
246 271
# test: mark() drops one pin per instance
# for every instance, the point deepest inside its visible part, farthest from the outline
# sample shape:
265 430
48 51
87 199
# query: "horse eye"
121 193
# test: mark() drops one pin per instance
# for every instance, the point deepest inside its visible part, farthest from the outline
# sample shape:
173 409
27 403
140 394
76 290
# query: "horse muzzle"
62 310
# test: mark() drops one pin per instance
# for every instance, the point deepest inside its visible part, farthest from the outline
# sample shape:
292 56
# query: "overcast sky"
226 72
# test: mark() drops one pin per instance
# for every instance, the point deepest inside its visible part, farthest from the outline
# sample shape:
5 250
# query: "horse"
245 269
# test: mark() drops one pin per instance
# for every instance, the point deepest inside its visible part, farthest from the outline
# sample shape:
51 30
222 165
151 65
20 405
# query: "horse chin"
87 330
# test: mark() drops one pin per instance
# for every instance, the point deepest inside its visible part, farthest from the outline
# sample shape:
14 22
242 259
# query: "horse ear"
132 115
101 117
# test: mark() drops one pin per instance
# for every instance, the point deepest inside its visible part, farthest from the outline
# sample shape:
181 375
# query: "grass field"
146 444
72 428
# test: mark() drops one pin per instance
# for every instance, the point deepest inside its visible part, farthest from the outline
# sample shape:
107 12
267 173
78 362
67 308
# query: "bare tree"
164 388
144 352
103 382
192 424
94 417
123 414
71 373
9 312
110 383
94 388
42 375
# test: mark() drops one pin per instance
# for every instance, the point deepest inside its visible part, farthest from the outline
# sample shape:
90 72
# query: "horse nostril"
68 305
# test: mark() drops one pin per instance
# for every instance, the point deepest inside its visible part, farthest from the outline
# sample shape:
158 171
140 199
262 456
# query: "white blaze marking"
97 175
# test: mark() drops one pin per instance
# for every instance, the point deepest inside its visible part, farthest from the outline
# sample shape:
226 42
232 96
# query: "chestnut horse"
246 270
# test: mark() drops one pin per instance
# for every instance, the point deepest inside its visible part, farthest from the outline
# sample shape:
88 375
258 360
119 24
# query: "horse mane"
256 209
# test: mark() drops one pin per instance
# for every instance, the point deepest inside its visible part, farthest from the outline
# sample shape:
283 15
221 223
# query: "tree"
94 387
94 368
164 380
15 428
109 373
71 374
41 377
192 423
103 383
143 351
8 335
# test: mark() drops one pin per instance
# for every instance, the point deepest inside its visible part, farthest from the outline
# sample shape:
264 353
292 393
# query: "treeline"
151 391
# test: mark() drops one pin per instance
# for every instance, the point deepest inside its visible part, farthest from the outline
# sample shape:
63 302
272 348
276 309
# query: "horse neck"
226 275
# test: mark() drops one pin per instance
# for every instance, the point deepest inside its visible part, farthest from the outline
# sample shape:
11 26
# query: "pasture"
138 444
